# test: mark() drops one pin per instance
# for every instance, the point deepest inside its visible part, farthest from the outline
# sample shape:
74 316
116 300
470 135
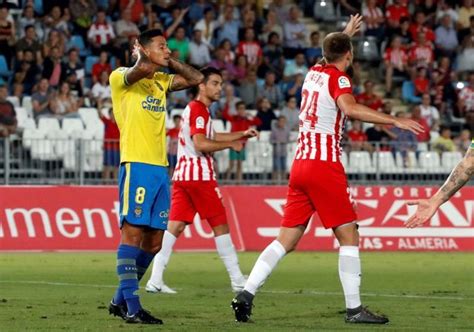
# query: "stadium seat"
449 160
21 116
344 160
77 41
411 167
72 125
32 134
222 160
367 49
90 61
27 104
14 100
385 162
4 71
47 124
422 146
218 126
360 162
27 123
89 115
265 136
324 10
430 162
176 111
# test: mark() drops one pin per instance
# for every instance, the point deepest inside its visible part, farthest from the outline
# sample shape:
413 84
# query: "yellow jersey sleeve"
117 78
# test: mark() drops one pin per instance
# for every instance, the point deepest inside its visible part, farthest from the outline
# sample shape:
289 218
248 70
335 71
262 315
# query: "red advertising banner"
86 218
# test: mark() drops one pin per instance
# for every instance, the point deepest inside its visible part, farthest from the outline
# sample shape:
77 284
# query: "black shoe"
118 309
242 308
142 317
362 315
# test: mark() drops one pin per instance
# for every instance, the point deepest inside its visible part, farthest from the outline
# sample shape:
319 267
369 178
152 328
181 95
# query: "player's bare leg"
156 283
230 169
227 253
350 275
286 242
239 171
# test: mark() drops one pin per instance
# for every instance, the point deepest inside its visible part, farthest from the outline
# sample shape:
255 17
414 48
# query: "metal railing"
84 162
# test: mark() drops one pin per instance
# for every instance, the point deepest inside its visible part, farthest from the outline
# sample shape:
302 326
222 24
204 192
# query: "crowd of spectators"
426 52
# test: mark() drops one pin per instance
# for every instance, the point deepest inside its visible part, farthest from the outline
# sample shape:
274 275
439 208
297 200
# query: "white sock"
162 258
350 275
266 263
226 251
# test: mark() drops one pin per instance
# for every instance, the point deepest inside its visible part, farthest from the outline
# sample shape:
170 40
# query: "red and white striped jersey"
321 121
193 165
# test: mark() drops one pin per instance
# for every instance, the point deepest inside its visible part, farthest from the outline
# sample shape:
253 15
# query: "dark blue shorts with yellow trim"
144 195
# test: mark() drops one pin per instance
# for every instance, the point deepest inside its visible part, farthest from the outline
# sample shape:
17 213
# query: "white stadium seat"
218 126
265 136
28 104
360 162
47 124
430 162
71 126
449 160
89 115
344 160
14 100
385 162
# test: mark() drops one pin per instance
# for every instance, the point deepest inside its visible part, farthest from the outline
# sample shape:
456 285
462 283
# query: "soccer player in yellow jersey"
139 104
458 178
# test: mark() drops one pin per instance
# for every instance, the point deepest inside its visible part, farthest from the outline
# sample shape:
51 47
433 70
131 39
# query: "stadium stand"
402 49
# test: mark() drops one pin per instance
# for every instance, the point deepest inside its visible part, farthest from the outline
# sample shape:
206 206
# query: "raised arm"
460 175
142 68
186 75
347 103
206 145
354 24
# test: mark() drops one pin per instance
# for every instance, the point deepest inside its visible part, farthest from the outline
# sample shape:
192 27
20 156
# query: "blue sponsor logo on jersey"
153 104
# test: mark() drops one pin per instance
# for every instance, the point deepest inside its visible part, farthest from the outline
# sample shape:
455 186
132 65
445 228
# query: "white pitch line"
303 292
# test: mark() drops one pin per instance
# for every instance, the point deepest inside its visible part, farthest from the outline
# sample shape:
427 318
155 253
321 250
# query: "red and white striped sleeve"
198 118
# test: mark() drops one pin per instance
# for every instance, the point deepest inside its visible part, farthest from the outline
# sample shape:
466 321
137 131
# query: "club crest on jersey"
344 82
200 122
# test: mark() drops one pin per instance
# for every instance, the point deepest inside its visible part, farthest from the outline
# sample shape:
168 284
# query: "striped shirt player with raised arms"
317 179
194 183
139 105
460 175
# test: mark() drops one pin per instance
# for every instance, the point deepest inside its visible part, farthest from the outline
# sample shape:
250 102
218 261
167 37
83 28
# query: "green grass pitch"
70 292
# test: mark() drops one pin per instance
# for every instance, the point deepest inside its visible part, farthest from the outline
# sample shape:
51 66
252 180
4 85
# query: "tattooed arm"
186 76
456 180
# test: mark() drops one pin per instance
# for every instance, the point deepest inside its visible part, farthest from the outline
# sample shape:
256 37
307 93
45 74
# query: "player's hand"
426 209
354 25
143 61
251 133
410 125
237 146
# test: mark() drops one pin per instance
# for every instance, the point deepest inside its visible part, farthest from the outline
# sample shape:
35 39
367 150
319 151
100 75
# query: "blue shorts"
144 195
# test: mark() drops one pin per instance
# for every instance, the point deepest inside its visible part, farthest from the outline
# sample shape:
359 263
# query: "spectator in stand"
466 97
428 7
101 66
446 37
196 11
219 61
228 27
271 26
55 39
65 104
101 93
396 61
374 19
446 8
394 13
467 32
229 100
404 142
314 52
52 67
111 147
239 122
279 138
26 73
29 42
295 33
291 113
101 33
8 122
28 18
350 7
466 55
75 87
241 69
418 117
463 141
82 12
293 89
369 98
73 65
207 25
379 136
251 49
173 141
429 112
404 33
57 21
421 53
357 137
136 7
249 21
248 89
42 99
437 91
422 84
465 12
126 31
181 43
295 68
229 52
281 9
273 58
7 35
271 90
444 143
198 51
419 27
265 114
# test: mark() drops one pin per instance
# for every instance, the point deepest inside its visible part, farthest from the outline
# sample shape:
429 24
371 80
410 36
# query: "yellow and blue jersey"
140 113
